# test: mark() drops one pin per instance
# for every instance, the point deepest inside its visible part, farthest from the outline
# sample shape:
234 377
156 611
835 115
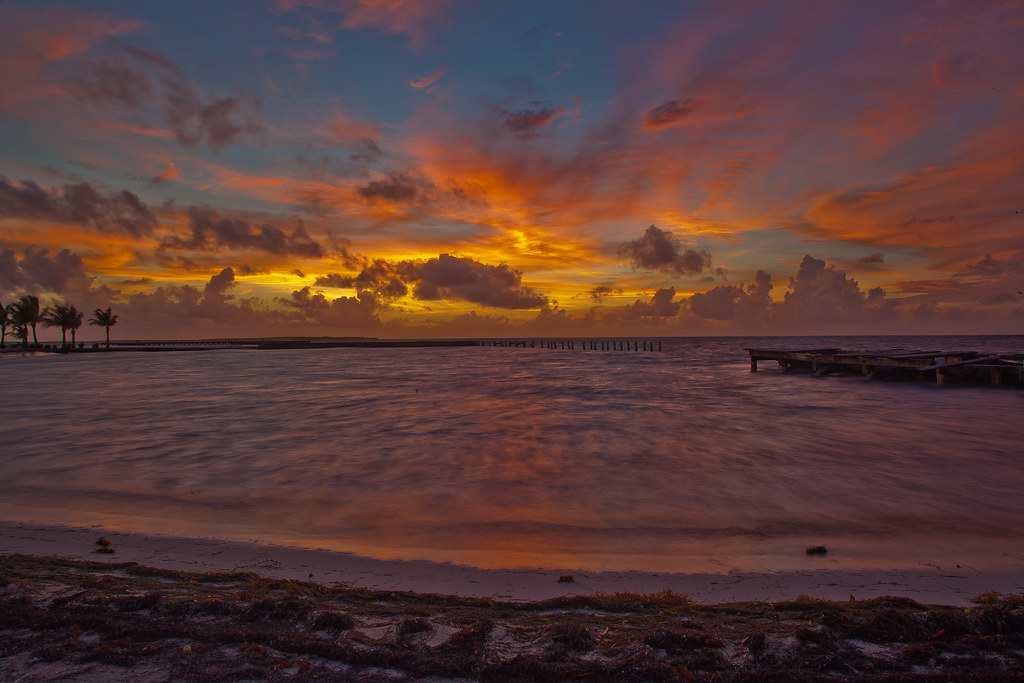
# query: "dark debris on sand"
75 620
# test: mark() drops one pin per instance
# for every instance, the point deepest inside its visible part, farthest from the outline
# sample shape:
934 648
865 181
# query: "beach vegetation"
989 598
105 319
104 546
125 621
24 314
66 317
333 621
629 600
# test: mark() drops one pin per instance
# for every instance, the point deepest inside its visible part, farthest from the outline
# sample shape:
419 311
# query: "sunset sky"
442 168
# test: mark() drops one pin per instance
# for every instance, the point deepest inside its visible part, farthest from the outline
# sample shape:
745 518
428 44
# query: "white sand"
929 584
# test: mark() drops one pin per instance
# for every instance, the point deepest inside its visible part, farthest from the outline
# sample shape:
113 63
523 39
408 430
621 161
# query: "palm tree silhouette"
24 313
101 318
66 317
76 321
55 317
4 322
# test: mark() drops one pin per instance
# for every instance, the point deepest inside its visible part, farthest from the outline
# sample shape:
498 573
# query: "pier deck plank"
961 365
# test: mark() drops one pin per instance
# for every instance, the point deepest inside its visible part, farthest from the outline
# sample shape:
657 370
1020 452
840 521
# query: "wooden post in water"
753 363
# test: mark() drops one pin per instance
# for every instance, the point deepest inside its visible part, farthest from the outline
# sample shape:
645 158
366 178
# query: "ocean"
675 461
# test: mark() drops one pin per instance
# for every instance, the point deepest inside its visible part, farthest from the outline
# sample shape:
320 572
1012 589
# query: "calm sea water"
676 461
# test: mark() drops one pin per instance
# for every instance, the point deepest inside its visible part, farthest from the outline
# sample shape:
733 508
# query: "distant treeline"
25 314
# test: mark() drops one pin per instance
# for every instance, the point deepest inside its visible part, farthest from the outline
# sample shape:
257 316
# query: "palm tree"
55 317
20 331
3 326
102 318
76 321
65 317
24 313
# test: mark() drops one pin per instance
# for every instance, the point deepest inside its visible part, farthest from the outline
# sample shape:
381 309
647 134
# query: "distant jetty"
604 344
964 367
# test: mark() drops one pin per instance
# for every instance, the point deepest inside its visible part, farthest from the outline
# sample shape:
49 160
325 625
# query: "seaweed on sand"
62 618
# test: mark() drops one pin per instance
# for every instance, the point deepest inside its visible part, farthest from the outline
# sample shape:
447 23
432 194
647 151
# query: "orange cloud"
170 173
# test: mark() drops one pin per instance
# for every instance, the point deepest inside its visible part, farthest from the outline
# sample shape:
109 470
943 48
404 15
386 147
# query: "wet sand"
928 584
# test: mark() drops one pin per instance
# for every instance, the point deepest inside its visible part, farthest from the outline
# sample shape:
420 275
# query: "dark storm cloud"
729 302
444 277
657 311
334 280
453 277
601 291
994 267
872 261
220 283
175 307
398 188
668 113
661 250
217 122
37 270
11 277
78 204
385 279
209 230
361 311
525 123
821 293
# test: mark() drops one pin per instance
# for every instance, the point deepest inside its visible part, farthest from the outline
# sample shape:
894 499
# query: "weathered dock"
970 367
601 344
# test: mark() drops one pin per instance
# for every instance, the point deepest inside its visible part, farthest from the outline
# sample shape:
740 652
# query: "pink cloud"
414 18
427 81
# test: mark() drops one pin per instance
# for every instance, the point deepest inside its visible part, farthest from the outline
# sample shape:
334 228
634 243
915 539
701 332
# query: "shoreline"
926 584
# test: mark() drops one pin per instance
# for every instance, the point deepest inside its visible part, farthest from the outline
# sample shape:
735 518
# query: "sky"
453 168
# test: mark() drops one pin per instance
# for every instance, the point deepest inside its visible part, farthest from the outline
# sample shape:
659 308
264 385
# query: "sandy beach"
937 585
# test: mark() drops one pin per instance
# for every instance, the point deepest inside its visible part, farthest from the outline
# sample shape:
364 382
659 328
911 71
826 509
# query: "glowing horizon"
356 167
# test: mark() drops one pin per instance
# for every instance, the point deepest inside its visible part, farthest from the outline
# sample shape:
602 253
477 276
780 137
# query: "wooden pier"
606 344
969 367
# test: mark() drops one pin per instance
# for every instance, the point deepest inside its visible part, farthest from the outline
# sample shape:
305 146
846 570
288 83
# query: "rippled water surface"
504 457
